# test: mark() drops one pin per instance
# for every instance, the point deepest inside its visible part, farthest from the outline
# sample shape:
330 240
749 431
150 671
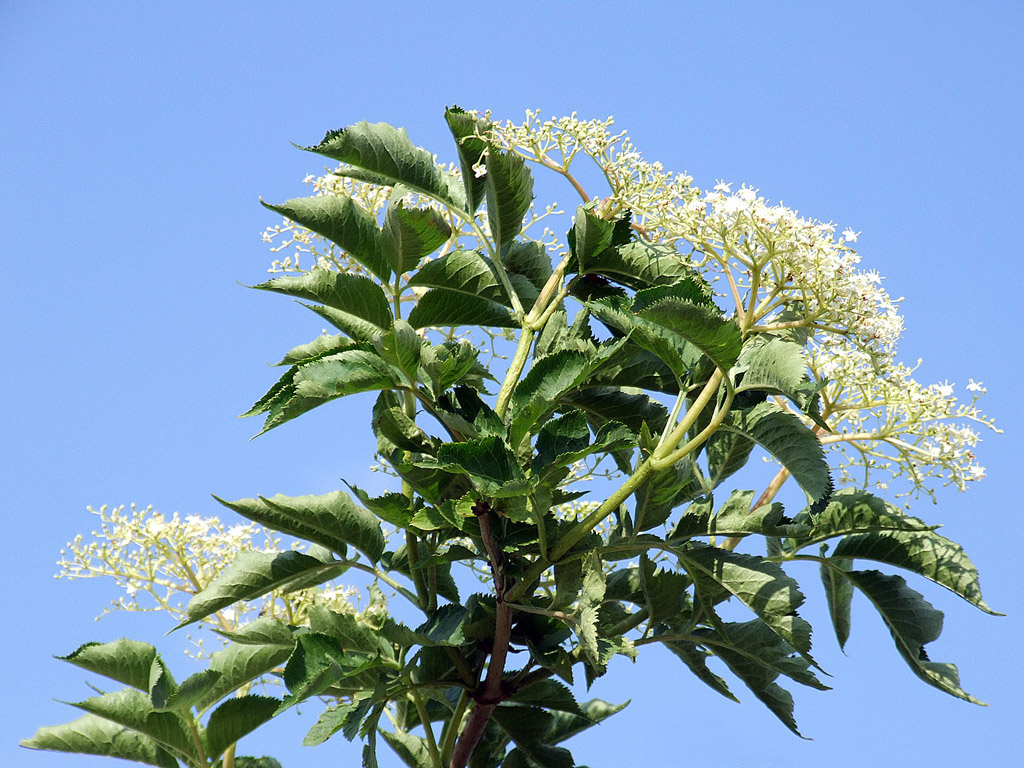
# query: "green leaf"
639 265
342 221
234 667
569 440
332 520
566 725
924 552
913 623
508 185
671 349
777 366
235 718
256 762
251 575
735 517
132 709
451 364
696 658
760 585
361 308
529 259
410 234
591 235
788 440
591 597
851 510
839 595
466 128
488 461
193 689
350 631
754 659
321 346
701 325
92 735
728 453
127 661
444 627
319 663
312 384
411 749
391 158
549 694
330 722
447 308
463 271
536 394
623 404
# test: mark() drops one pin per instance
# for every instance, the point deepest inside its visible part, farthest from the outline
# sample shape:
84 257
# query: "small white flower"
850 236
945 389
724 188
975 386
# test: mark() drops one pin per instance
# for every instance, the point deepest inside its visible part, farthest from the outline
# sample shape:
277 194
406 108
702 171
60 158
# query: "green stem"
451 730
413 549
435 756
515 369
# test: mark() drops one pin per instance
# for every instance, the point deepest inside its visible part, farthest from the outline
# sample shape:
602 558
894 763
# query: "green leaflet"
591 598
443 308
229 669
401 347
351 633
252 575
466 129
319 663
488 462
330 722
411 749
92 735
235 718
701 325
788 440
566 439
508 185
360 307
127 661
342 221
838 595
549 694
566 725
550 379
332 520
410 234
132 709
385 155
760 585
924 552
850 511
591 235
913 623
696 658
327 378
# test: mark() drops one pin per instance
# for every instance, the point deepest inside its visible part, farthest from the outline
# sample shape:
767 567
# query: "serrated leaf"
132 709
387 154
851 511
488 462
665 490
591 235
591 597
193 689
788 440
360 307
400 347
353 634
838 595
265 630
508 186
127 661
639 265
924 552
242 761
760 585
92 735
332 520
445 308
444 627
735 517
330 722
549 694
462 271
700 325
411 749
696 659
342 221
327 378
319 663
529 259
235 718
727 453
549 380
566 725
251 575
238 665
322 345
913 623
410 234
466 129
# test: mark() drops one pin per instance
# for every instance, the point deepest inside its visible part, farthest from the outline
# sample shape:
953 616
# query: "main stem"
491 693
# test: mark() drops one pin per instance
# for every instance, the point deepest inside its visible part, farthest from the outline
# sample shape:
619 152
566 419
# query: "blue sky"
135 144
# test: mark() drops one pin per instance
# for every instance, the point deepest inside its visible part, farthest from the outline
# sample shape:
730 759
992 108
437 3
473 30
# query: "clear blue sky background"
135 141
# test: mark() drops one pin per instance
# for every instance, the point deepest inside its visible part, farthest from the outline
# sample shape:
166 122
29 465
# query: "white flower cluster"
160 562
784 271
